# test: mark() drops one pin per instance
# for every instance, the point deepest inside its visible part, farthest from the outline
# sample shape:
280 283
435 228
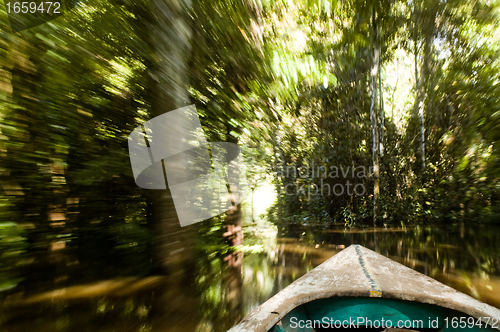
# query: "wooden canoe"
358 285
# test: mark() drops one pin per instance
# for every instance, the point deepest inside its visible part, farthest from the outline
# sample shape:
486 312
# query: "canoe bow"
360 272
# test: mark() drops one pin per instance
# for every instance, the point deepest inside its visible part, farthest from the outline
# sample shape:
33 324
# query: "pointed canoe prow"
358 273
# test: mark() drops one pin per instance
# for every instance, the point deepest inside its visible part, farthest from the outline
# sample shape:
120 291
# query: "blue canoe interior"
359 289
376 314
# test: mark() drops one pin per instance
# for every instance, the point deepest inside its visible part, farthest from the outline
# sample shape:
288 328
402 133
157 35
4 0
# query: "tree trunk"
280 182
373 118
419 109
382 113
169 34
419 106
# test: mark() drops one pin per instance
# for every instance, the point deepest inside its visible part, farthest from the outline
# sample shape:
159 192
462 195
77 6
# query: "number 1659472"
33 7
471 322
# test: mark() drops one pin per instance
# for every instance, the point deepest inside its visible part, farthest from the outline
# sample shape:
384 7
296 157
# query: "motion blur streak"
407 88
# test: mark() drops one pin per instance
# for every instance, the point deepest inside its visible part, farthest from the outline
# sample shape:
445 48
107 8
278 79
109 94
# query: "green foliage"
455 46
288 81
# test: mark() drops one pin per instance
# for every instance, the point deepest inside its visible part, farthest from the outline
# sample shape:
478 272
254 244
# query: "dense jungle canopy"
396 103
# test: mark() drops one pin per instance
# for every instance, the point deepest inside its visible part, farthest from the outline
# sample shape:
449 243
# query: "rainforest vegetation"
396 103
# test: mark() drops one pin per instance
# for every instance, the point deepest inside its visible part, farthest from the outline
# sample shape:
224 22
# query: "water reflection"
227 288
467 259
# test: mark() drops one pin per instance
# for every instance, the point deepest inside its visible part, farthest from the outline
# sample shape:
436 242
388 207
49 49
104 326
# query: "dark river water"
466 258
